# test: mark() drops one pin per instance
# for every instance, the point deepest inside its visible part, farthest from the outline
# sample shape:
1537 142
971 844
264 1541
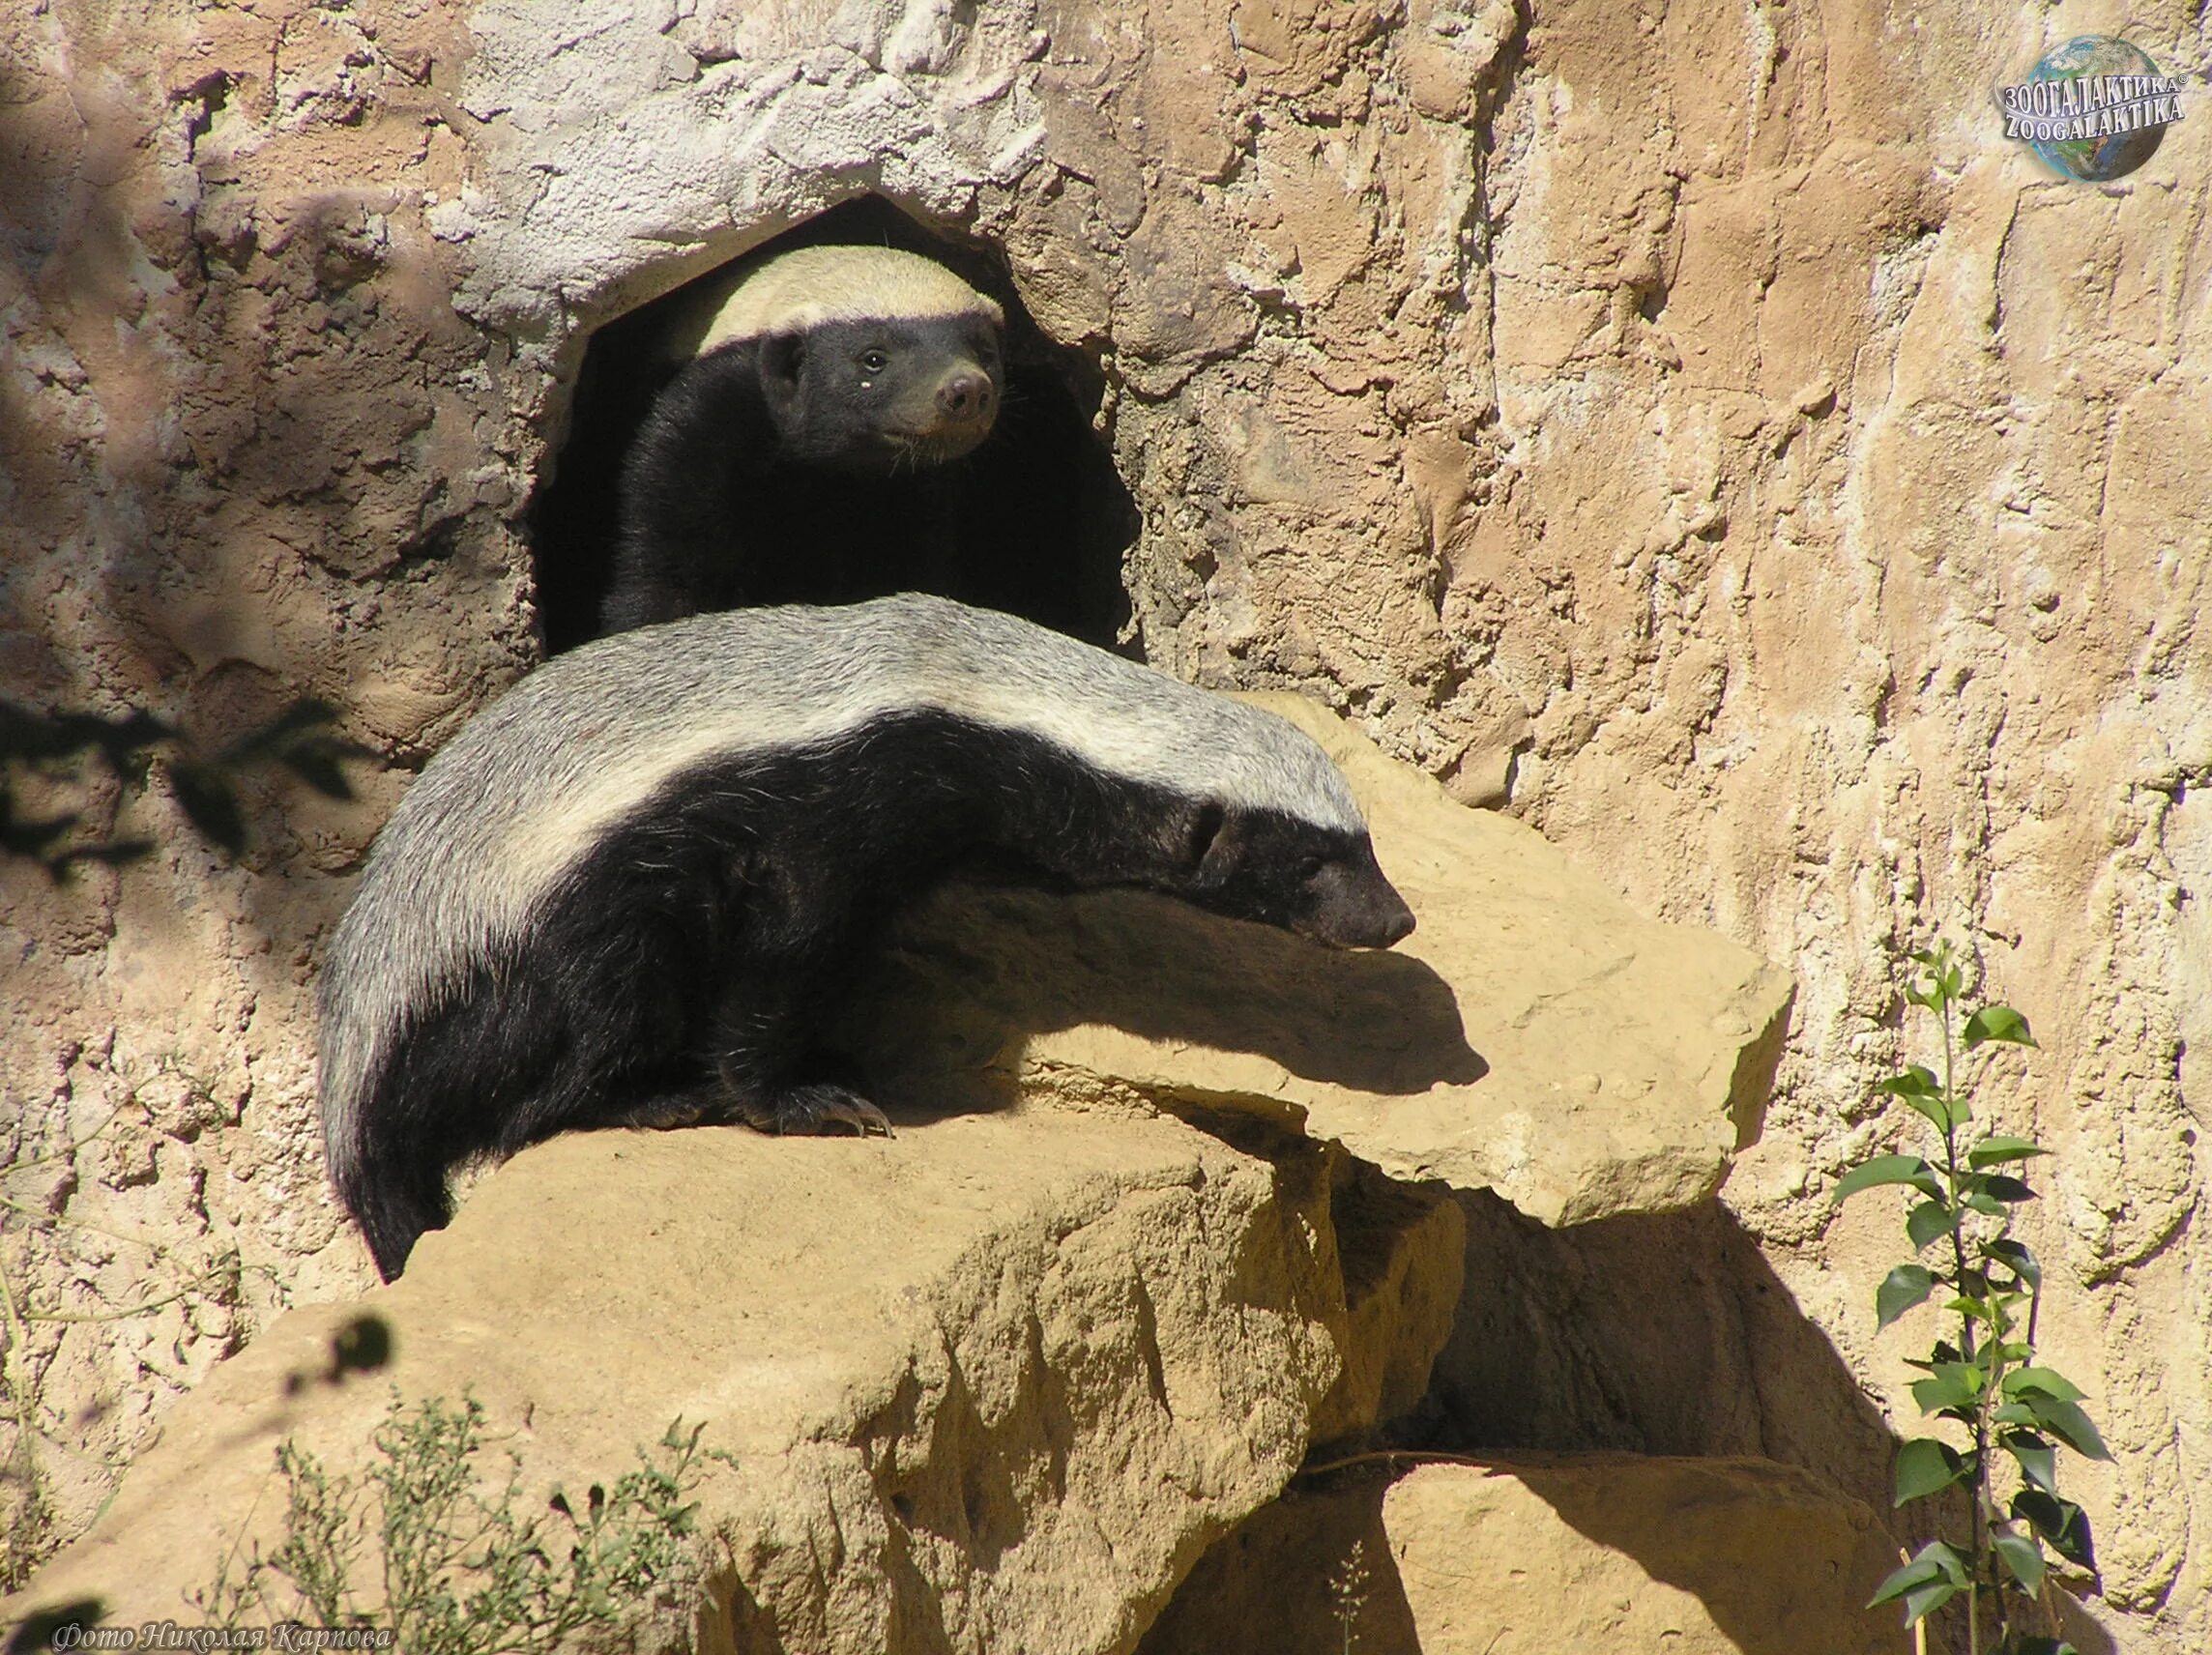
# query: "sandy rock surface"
1533 1035
1701 1557
1698 431
1544 1554
993 1384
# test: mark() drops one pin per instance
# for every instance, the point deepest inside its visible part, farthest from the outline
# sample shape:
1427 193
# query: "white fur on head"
804 288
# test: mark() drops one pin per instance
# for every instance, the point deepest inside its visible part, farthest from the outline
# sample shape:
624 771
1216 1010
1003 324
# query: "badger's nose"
966 397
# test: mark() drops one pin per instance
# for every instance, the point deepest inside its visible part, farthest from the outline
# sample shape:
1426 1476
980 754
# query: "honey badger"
827 392
623 893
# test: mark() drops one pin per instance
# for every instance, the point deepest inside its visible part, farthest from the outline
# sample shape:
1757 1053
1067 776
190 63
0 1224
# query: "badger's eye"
873 362
1309 868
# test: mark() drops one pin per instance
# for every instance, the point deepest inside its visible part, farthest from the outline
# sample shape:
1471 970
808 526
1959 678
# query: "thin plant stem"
1951 1177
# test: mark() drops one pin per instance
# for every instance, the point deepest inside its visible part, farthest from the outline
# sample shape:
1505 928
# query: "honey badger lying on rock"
827 392
624 892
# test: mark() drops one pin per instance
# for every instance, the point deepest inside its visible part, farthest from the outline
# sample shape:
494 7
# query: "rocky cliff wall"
1698 432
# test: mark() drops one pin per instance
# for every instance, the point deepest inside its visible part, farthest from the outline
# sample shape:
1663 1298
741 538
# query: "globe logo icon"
2094 109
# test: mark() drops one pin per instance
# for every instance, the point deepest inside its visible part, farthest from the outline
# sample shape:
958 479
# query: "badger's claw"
670 1109
820 1109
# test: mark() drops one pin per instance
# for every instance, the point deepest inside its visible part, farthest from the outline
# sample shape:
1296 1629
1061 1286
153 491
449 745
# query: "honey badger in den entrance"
625 892
828 393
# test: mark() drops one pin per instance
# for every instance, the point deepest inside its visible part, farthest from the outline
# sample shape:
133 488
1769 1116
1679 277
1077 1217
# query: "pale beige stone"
1004 1376
1724 448
1533 1035
1615 1553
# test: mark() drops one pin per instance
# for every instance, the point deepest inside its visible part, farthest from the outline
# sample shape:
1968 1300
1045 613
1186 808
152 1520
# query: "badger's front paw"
824 1108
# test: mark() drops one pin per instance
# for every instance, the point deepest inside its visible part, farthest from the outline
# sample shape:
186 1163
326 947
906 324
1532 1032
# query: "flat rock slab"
991 1384
1617 1552
1535 1036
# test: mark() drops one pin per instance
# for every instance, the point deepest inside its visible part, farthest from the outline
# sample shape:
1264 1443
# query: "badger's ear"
1213 843
782 358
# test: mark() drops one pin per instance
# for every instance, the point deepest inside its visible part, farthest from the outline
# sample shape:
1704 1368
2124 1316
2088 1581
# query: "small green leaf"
2038 1459
1998 1023
1901 1290
1889 1169
2016 1256
2042 1382
2066 1421
2006 1188
2023 1560
1929 1221
1918 1081
1926 1583
1990 1151
1924 1465
1946 1558
1953 1384
1919 1088
1902 1579
1945 1113
1978 1200
2062 1523
1924 1601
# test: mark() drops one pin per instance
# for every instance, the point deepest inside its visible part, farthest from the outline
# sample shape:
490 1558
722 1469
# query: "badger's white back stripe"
810 286
538 780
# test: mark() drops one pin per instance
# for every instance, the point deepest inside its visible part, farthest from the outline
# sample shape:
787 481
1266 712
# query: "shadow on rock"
1661 1334
973 971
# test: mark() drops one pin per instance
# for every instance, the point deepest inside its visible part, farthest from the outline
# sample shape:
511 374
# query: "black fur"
679 972
850 441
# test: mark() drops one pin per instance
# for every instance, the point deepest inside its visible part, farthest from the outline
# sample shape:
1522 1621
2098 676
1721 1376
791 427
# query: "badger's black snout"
1355 907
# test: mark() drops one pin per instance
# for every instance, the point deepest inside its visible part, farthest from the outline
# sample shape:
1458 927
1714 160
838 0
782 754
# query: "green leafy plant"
1983 1375
459 1565
29 1227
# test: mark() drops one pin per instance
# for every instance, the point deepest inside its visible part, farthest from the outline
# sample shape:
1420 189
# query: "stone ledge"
1535 1036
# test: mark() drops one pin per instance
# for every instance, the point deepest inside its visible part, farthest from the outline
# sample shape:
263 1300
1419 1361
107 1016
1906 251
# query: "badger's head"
884 393
1269 866
871 358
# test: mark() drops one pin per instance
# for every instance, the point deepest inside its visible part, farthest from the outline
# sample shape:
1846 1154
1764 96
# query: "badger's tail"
394 1204
393 1196
388 1176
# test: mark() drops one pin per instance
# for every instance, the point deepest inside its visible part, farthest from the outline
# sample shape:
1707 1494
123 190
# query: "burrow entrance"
1047 516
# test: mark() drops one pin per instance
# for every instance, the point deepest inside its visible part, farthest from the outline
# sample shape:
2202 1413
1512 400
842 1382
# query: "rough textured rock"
1697 429
1533 1036
1701 1557
1651 1333
993 1385
1289 1578
1589 1552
